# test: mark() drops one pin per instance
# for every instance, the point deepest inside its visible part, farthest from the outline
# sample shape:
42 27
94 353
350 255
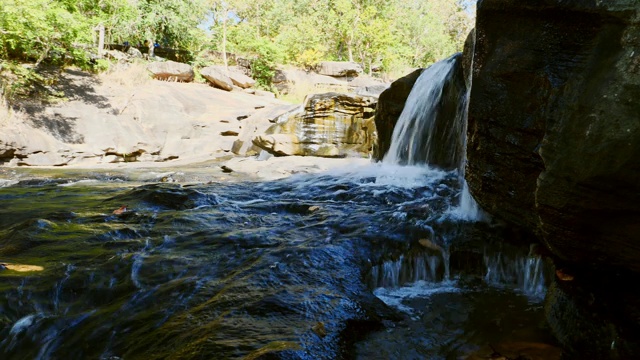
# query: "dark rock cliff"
390 105
554 146
554 124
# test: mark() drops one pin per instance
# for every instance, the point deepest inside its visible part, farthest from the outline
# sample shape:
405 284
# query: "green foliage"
392 34
266 55
101 65
388 33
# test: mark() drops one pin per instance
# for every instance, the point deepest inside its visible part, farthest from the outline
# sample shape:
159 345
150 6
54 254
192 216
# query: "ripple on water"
222 270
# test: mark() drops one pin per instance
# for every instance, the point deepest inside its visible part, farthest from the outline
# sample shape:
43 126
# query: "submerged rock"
330 125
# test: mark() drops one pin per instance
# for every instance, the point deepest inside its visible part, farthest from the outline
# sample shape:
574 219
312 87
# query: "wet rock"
562 275
430 245
518 350
331 125
319 329
121 210
590 323
22 267
388 109
171 71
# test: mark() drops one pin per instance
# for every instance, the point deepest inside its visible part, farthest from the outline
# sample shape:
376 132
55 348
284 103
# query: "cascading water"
431 133
431 130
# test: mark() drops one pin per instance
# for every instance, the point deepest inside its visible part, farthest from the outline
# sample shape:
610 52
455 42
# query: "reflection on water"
235 270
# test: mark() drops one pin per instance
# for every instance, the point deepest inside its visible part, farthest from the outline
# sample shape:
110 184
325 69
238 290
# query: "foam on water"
80 182
396 297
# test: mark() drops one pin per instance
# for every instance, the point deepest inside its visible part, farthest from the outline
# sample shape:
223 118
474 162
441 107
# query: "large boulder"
241 80
554 137
257 124
390 105
217 77
285 79
339 68
171 71
330 125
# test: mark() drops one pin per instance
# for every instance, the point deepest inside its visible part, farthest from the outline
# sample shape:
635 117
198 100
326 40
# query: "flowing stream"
386 261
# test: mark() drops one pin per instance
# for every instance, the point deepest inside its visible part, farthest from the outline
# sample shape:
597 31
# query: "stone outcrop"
106 122
390 105
555 96
330 125
171 71
257 124
554 143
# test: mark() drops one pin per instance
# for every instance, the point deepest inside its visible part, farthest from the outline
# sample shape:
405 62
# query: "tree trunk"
224 42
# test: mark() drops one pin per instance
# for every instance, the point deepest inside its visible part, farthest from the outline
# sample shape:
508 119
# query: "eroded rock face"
554 138
330 125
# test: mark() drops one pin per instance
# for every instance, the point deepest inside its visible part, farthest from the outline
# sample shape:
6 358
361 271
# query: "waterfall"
432 127
525 273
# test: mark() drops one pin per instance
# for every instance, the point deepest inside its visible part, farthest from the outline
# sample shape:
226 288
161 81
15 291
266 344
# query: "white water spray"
421 137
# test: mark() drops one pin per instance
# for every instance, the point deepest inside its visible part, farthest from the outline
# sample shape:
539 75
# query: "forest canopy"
380 34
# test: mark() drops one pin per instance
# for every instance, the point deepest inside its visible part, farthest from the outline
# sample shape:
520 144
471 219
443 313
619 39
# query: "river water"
385 261
373 262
